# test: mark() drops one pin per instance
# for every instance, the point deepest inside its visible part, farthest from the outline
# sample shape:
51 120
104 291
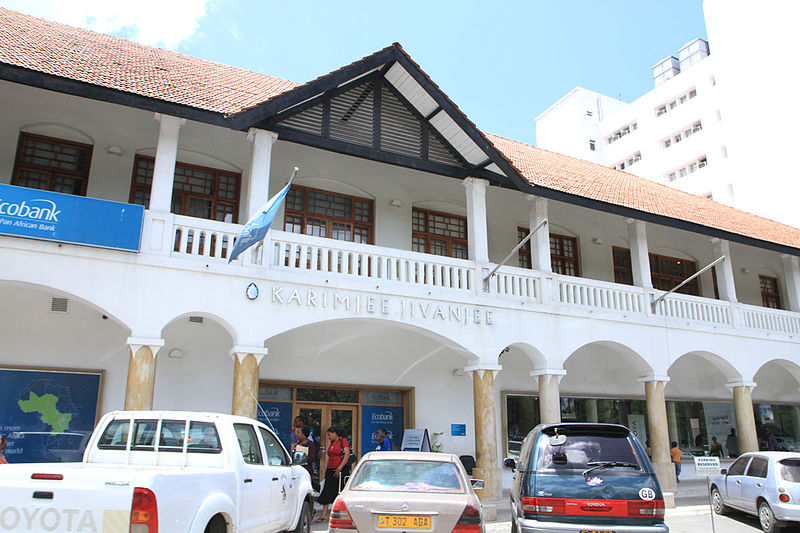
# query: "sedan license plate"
596 531
404 521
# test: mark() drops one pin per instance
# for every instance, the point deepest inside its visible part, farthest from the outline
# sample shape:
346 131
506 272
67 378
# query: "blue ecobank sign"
52 216
374 417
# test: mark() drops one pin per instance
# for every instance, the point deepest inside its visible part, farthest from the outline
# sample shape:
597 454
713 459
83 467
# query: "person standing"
715 450
302 434
675 456
382 438
732 444
337 469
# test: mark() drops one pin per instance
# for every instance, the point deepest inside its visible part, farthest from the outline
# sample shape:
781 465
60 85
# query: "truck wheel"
304 522
217 525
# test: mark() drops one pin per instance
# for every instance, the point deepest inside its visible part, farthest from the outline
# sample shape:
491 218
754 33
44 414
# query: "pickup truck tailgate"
65 497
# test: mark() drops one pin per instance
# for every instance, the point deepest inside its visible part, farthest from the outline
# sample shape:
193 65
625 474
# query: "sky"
503 62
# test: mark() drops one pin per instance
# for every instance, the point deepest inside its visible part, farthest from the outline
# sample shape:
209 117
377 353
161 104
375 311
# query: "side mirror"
723 471
476 483
510 463
299 458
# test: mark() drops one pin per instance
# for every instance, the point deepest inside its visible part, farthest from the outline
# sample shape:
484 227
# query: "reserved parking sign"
706 466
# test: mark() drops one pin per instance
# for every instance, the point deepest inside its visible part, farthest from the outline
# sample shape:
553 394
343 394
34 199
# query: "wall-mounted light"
744 270
396 203
176 353
597 240
114 150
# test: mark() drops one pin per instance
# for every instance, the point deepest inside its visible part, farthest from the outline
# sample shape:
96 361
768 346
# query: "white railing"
290 251
600 295
210 240
695 309
203 238
763 318
516 282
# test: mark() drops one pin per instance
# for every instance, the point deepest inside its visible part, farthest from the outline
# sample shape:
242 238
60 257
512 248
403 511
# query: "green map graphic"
46 406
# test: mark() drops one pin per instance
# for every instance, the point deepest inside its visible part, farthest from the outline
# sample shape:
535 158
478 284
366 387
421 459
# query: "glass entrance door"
320 417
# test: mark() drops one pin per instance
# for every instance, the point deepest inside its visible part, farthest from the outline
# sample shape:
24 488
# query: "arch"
777 379
333 185
701 374
442 206
593 365
59 131
563 230
192 157
105 314
530 352
226 324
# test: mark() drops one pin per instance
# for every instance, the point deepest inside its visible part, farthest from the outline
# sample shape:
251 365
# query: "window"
622 165
563 253
680 100
737 468
589 113
758 467
200 192
689 168
591 144
439 233
276 455
329 215
769 292
665 272
622 132
52 164
248 444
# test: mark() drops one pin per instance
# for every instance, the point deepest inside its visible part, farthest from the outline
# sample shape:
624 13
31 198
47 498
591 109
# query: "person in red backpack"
338 468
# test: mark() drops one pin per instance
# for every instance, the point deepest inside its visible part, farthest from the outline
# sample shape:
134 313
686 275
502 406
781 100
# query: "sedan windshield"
408 476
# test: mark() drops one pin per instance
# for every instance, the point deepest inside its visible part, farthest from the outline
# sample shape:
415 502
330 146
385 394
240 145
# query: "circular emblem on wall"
647 494
252 291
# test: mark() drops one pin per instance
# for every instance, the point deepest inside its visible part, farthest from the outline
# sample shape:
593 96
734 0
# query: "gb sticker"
647 494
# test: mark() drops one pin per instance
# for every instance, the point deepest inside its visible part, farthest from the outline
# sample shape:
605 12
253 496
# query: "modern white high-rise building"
718 122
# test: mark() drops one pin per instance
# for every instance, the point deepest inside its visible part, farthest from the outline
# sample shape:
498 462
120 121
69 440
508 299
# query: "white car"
763 484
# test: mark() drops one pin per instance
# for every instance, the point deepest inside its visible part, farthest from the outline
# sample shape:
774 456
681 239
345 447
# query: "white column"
478 240
791 274
724 270
549 394
540 242
640 260
258 186
164 169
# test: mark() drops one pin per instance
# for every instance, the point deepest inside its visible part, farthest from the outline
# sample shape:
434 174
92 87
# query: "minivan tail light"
144 511
646 508
555 506
340 516
470 521
51 477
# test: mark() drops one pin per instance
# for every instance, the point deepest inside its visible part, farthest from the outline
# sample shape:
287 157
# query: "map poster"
48 415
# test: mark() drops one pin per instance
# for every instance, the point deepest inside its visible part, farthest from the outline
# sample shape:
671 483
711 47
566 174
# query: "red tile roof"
589 180
85 56
115 63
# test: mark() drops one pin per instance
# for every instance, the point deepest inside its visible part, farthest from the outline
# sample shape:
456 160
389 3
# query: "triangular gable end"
384 108
372 118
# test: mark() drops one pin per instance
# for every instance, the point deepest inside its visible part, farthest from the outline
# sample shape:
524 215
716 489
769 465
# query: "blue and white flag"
256 228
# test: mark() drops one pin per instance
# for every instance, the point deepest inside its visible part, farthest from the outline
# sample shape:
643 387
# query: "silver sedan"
408 491
763 484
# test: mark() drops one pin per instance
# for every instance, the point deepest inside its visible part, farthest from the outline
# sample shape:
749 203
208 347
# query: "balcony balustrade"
305 255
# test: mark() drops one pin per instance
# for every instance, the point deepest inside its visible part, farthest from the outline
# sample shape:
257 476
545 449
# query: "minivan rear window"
790 469
584 450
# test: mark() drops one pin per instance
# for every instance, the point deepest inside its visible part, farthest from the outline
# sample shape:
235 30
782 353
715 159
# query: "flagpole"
512 252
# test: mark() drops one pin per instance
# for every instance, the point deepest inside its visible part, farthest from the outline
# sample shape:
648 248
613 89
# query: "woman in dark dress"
336 471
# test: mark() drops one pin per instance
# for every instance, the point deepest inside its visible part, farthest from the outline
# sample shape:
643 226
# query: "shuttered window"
770 297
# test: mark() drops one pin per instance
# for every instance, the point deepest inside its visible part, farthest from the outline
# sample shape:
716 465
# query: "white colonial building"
126 172
718 123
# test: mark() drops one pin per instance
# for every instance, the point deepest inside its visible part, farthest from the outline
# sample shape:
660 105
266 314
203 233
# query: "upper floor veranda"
354 222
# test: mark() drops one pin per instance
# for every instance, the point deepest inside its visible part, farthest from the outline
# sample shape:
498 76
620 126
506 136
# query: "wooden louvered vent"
349 116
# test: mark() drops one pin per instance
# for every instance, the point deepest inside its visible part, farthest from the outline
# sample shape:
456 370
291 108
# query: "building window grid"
622 132
52 164
682 99
689 168
665 272
770 297
438 233
622 165
197 191
329 215
563 253
675 138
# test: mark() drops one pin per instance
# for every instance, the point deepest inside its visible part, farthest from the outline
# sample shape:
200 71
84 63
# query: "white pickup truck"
168 471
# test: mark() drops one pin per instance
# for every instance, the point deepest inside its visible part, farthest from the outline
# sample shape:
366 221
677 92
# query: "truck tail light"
646 508
552 506
144 511
340 516
470 521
